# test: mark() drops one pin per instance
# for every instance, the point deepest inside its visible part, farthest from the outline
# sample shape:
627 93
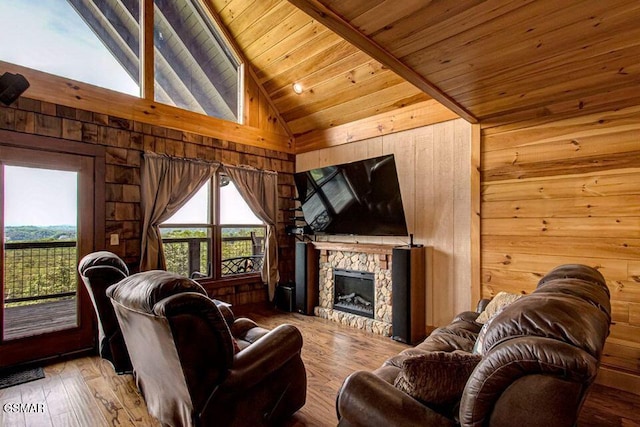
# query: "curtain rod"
186 159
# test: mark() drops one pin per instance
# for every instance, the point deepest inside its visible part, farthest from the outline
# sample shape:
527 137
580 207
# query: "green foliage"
32 233
35 272
179 233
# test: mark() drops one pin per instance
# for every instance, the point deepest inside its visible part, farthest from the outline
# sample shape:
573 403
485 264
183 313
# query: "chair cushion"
436 377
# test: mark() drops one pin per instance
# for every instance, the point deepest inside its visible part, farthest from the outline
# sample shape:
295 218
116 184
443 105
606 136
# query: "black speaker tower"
306 277
408 294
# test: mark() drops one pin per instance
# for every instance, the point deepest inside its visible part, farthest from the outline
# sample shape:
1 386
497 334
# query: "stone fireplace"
361 261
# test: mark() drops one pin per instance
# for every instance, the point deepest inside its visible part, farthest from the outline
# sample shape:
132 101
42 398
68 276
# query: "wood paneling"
503 61
567 191
434 171
418 115
490 61
284 45
346 30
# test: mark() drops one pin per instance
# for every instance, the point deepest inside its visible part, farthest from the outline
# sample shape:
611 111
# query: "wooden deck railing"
189 255
39 270
36 271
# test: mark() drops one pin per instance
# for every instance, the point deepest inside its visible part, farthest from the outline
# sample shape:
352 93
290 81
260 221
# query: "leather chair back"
98 271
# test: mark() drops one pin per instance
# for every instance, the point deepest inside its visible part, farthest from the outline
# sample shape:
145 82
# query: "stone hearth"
374 259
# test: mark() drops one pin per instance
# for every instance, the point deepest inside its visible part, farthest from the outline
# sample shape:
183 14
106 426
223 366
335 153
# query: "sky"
49 35
40 196
233 210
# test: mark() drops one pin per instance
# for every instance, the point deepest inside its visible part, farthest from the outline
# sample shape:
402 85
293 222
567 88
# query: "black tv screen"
360 198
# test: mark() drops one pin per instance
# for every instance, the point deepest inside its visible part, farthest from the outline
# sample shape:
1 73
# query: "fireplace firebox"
353 292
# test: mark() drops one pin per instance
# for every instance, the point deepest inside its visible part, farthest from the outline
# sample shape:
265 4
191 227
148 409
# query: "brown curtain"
260 190
167 183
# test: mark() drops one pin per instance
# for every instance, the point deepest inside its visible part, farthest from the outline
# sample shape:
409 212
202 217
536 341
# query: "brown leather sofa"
98 271
531 365
195 364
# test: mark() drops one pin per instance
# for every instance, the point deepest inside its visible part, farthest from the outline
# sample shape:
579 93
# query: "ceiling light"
297 88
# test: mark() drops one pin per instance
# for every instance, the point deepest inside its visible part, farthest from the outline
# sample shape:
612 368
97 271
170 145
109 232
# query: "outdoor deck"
39 318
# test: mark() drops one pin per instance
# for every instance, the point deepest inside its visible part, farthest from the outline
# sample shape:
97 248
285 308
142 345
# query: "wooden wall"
567 191
262 126
124 141
434 170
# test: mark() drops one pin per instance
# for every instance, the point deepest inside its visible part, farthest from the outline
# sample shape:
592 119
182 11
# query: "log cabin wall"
568 191
434 171
124 141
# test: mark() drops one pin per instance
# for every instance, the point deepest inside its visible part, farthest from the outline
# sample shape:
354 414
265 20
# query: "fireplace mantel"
369 248
383 251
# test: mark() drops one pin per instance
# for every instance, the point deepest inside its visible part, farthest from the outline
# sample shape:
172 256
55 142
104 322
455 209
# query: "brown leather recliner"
98 271
539 357
196 366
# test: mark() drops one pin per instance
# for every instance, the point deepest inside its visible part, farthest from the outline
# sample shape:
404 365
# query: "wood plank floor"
86 391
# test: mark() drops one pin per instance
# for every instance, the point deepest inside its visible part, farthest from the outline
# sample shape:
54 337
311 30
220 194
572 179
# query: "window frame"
215 239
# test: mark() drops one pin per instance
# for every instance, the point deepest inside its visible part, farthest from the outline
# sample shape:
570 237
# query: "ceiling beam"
344 29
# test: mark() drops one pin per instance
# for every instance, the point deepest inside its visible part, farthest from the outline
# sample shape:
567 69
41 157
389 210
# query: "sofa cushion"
496 305
574 271
557 316
436 377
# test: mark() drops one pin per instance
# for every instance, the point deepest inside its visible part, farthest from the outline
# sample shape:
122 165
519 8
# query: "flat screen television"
357 198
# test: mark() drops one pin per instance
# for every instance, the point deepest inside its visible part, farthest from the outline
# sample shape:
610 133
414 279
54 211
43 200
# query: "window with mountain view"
98 42
215 234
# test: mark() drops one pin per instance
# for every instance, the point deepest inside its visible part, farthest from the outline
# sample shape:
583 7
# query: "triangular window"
194 67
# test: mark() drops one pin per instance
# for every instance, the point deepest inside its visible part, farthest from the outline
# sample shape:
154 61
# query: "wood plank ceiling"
498 60
284 46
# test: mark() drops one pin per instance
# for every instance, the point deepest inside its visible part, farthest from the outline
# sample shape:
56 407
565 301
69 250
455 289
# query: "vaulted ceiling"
488 61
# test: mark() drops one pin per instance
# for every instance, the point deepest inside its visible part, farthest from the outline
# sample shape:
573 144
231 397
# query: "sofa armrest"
368 401
254 363
541 374
467 316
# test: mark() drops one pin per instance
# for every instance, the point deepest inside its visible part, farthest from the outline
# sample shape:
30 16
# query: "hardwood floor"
86 391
